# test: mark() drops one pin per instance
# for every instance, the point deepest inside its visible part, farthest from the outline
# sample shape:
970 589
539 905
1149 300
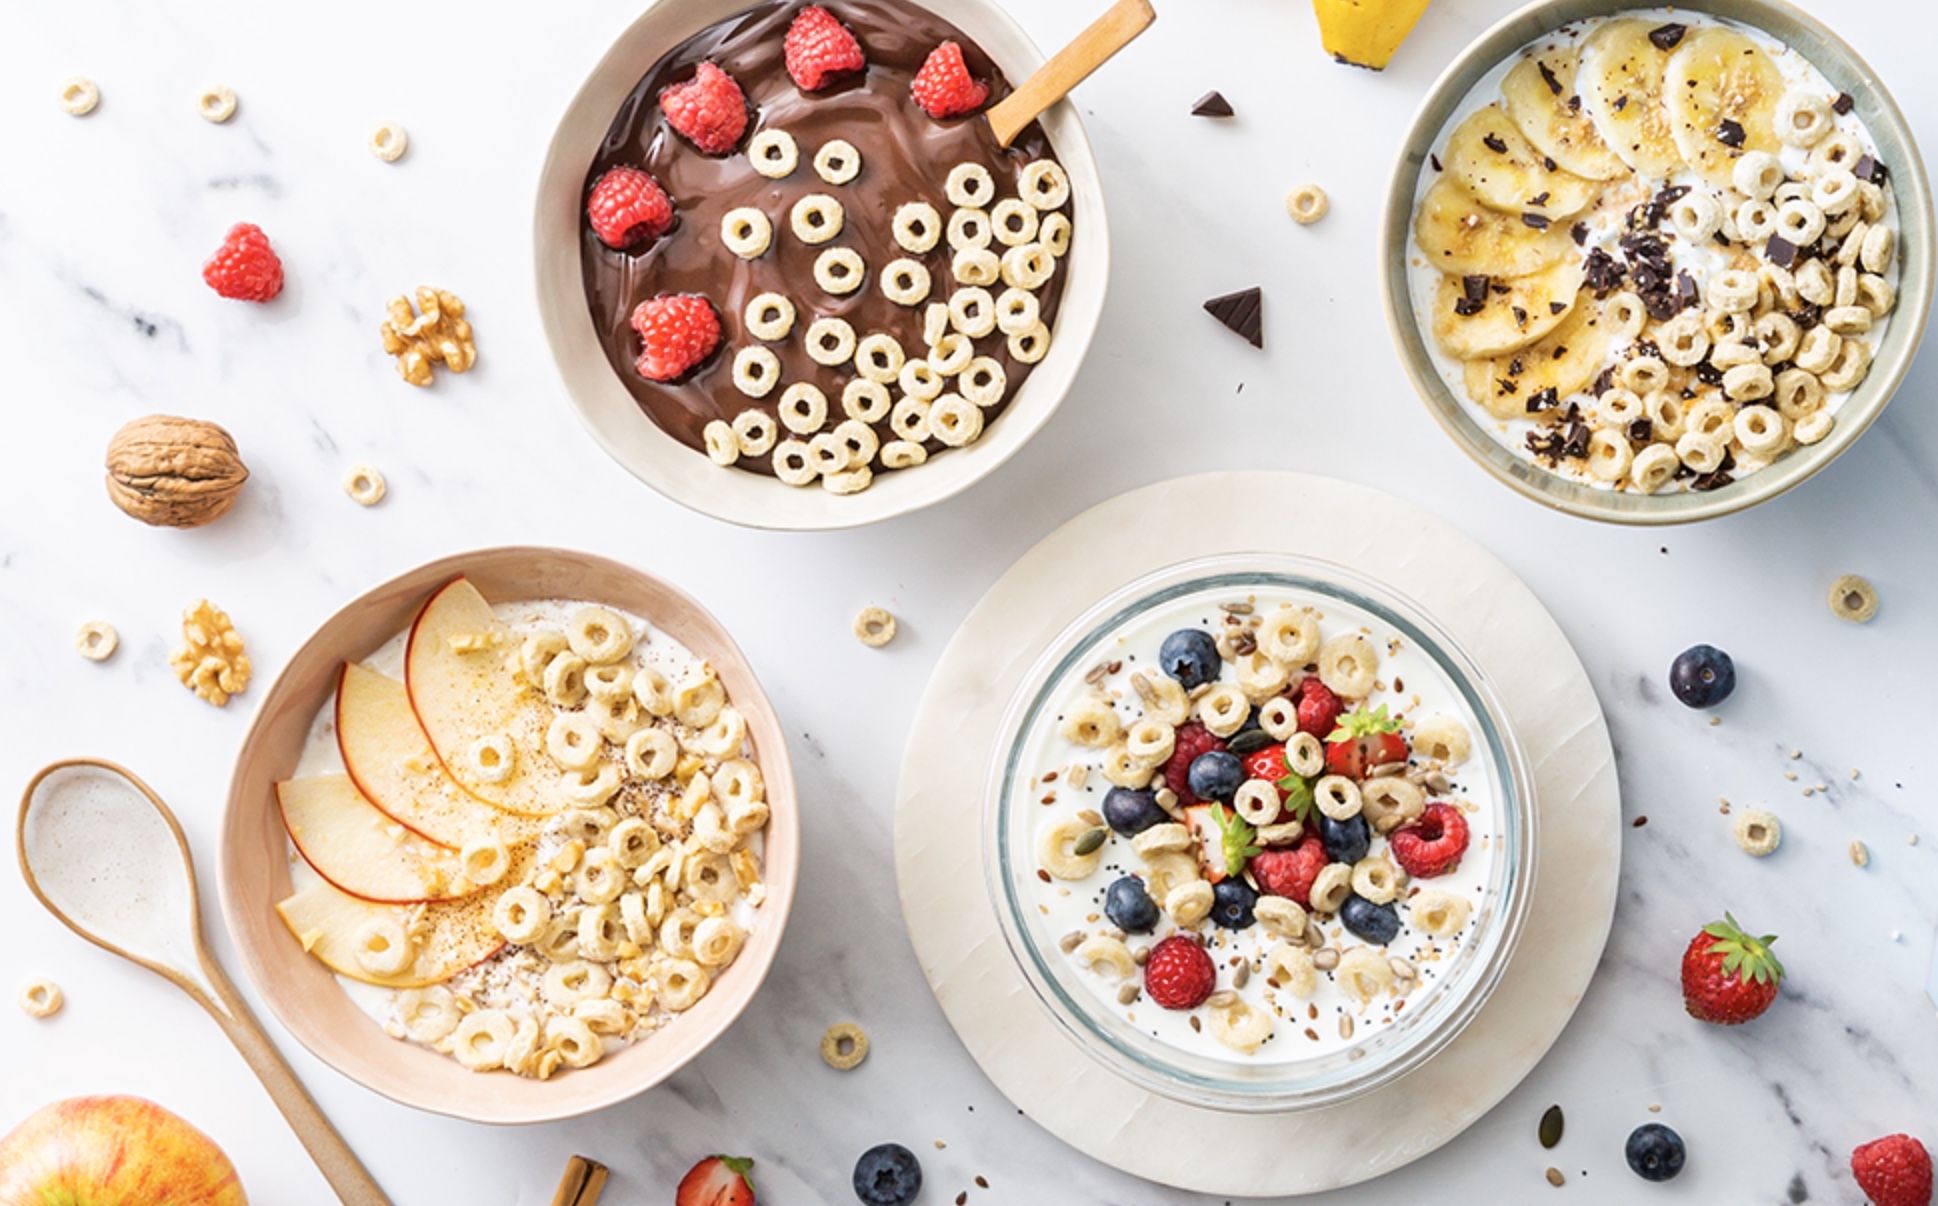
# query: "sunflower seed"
1326 959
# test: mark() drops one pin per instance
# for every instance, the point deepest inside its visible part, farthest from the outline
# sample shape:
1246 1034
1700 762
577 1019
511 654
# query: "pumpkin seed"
1551 1126
1248 741
1091 841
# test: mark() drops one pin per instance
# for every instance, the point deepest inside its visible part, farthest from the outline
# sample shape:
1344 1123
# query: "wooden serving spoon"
1069 67
94 844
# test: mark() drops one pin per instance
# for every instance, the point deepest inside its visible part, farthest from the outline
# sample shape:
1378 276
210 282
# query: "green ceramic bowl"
1846 70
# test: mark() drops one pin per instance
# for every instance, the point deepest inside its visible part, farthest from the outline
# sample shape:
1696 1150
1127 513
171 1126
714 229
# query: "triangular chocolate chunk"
1212 104
1242 312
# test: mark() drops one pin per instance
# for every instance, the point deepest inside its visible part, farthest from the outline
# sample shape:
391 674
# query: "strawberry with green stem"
1729 977
1363 740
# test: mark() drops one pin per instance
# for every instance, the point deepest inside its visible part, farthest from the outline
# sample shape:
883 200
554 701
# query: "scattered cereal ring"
976 266
935 322
1853 598
910 419
905 282
830 341
79 96
844 1046
1307 204
919 380
840 270
970 228
1014 221
969 184
849 481
756 371
722 447
837 162
1017 310
217 104
816 218
774 153
96 641
917 227
1044 184
365 485
41 998
1758 833
389 141
804 408
951 354
770 317
879 358
828 454
1803 118
1696 215
1757 174
1653 468
746 232
866 401
874 627
755 431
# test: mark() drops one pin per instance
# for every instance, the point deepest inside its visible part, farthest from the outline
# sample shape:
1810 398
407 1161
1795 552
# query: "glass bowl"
1434 1017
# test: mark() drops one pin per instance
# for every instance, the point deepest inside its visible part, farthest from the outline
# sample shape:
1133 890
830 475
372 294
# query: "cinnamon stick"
583 1182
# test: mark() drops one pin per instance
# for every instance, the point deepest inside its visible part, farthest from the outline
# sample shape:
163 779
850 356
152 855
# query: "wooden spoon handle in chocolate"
1069 67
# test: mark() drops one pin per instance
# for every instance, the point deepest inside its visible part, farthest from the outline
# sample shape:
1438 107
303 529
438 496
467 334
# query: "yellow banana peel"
1365 33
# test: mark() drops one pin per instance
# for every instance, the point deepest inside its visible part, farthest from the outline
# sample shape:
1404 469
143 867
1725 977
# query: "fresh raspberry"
1728 976
1192 739
819 48
710 110
1290 873
944 87
1893 1171
628 208
245 267
1433 844
1318 707
1179 974
677 331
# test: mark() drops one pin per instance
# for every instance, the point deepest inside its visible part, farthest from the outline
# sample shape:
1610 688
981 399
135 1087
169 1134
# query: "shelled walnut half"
434 333
211 661
172 472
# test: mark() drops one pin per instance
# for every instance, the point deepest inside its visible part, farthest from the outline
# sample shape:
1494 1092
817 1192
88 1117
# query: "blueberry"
1129 907
1215 775
1655 1152
1345 841
1130 811
1190 656
1702 676
1376 923
1231 903
888 1175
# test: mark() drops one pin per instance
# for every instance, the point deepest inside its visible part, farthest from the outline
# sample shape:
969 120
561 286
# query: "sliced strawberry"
1211 841
1362 741
717 1181
1267 764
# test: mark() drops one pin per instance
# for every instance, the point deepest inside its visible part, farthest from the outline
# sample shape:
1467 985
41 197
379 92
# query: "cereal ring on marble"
1701 453
774 154
1028 267
1189 903
755 431
1056 846
837 162
96 641
859 439
573 741
982 381
792 465
1757 174
79 96
874 627
1609 455
1853 598
830 341
865 400
1645 375
1439 913
803 408
722 448
903 454
389 141
1697 216
970 229
1761 431
1337 797
919 379
1028 347
816 218
840 270
976 266
917 227
1014 221
1017 310
951 354
216 104
879 358
1803 118
746 232
1349 665
1733 291
972 311
910 421
844 1046
1054 233
756 371
1654 468
41 998
1106 956
1045 184
1682 341
954 421
1800 222
1834 191
1755 221
905 282
770 317
1758 833
969 184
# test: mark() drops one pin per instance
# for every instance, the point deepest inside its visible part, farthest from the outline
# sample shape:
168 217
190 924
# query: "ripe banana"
1365 33
1460 235
1487 155
1724 102
1566 362
1539 94
1621 91
1509 315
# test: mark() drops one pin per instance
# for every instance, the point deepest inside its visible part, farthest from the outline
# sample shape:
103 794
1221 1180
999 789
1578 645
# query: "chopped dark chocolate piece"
1515 368
1467 307
1730 132
1604 381
1686 291
1549 163
1579 233
1807 314
1870 169
1576 446
1780 251
1435 161
1602 272
1621 102
1666 37
1641 431
1548 77
1540 198
1844 103
1474 287
1712 481
1708 373
1543 399
1212 104
1557 307
1574 103
1538 221
1242 312
1508 385
1520 316
1495 143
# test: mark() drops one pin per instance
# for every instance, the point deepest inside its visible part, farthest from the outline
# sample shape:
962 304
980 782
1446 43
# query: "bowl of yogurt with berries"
1258 835
1656 264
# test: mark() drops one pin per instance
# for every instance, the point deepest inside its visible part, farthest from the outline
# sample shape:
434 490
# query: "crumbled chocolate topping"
1604 381
1641 431
1708 373
1557 307
1844 103
1547 161
1538 221
1435 161
1870 169
1574 103
1548 77
1666 37
1540 198
1508 385
1467 307
1657 208
1621 103
1474 287
1520 316
1807 314
1780 251
1602 272
1543 399
1212 104
1730 132
1495 143
1686 292
1515 368
1579 233
1712 481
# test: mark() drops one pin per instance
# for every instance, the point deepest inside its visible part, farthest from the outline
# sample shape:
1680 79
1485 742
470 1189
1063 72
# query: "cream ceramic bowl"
254 860
687 476
1918 259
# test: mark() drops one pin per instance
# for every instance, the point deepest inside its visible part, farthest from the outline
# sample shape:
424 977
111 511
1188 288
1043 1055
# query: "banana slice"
1488 156
1529 308
1566 361
1621 91
1460 236
1722 102
1539 94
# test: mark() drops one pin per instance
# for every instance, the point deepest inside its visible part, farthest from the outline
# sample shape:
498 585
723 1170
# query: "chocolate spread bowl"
600 382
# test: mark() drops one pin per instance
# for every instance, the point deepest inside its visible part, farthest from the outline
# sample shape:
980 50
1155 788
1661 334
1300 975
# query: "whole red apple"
113 1151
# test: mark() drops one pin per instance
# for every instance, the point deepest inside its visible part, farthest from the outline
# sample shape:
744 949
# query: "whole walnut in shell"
172 472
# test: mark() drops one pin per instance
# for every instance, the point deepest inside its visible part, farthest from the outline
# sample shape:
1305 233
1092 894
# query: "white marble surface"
104 223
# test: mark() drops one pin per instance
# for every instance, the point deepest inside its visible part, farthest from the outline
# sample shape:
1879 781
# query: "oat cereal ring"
1091 722
1260 676
1364 973
1189 903
905 282
1165 871
1682 341
1761 431
917 227
972 311
1391 801
1758 833
840 270
827 454
1106 956
1163 838
566 984
1755 221
756 371
1307 204
652 753
774 153
79 96
1017 310
1710 417
837 162
951 354
1376 880
678 984
1151 742
844 1046
599 635
1697 216
1800 222
1818 349
428 1014
1337 797
1701 453
1028 267
96 640
41 998
830 341
632 841
1241 1026
616 716
935 322
1813 427
1290 967
1348 664
739 788
1014 221
1122 769
1852 362
364 485
1798 394
874 627
1625 315
1223 709
746 232
599 878
866 401
492 759
1279 718
982 381
1782 285
722 448
816 218
1331 888
723 736
1044 184
481 1038
565 680
383 947
903 454
1054 233
1645 375
389 141
1778 335
1803 118
217 104
1876 294
770 317
1879 246
970 230
1609 455
1757 174
920 380
1834 191
849 481
1256 801
859 439
1305 755
591 785
652 691
910 418
1619 407
969 184
716 941
560 941
1439 913
1056 849
1733 291
1030 346
1848 320
755 431
1654 468
1281 916
976 266
803 408
1853 598
1814 283
699 699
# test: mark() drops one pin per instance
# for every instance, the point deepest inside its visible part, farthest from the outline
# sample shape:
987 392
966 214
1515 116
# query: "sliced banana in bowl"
1487 156
1477 316
1539 93
1621 80
1723 102
1516 385
1460 235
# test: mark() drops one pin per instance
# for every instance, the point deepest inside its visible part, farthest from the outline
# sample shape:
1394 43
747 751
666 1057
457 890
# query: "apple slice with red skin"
461 697
392 764
457 934
350 842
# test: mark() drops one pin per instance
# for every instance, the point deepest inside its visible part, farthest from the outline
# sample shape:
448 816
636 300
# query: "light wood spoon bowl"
1069 67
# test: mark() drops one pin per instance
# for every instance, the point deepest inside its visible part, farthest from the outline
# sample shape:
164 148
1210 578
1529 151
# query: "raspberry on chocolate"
628 208
245 267
944 87
677 332
709 110
819 49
